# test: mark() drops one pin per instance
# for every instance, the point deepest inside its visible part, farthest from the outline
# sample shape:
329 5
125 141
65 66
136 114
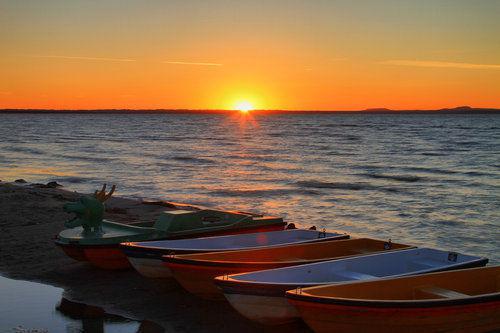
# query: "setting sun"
243 106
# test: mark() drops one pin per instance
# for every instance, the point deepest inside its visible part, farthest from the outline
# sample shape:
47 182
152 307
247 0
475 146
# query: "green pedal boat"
89 237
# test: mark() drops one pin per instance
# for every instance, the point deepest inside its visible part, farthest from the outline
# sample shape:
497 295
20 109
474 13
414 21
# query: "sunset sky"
296 55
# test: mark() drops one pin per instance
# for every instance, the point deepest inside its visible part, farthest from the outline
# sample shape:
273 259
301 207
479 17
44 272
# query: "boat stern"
262 303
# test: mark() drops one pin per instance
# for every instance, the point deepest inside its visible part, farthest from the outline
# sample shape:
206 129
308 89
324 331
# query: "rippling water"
429 180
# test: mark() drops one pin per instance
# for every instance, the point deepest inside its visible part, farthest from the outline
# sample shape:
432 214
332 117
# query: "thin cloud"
439 64
191 63
82 58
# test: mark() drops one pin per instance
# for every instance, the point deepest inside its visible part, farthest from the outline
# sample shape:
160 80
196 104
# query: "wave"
450 223
433 154
478 174
343 186
253 157
71 179
337 153
449 172
190 159
83 158
261 192
431 170
272 168
400 178
370 167
467 143
352 138
380 169
24 150
342 125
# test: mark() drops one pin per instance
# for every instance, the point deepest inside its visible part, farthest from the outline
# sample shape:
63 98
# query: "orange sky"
293 54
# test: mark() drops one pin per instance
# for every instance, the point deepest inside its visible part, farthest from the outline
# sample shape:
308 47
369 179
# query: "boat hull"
108 257
482 317
74 252
267 310
150 268
102 256
265 304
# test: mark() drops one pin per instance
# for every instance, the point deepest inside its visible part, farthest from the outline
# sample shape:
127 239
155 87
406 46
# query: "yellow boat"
195 272
465 300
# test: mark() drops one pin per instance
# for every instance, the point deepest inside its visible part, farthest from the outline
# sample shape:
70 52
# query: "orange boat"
196 272
455 301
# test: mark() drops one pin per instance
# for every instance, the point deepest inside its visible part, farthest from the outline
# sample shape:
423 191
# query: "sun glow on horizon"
243 106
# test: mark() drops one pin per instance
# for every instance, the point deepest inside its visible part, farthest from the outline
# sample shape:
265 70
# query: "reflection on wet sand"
31 307
95 320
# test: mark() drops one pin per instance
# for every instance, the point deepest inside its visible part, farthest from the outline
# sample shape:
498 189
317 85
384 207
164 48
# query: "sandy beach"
30 216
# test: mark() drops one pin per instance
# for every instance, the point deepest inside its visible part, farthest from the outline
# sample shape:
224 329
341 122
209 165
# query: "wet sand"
31 215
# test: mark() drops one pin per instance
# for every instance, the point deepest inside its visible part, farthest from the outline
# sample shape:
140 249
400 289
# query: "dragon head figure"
88 210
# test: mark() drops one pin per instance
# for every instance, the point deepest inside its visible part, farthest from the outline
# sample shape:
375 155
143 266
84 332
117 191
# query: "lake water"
428 180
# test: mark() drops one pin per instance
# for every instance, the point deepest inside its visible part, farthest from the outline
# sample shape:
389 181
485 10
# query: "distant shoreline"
458 110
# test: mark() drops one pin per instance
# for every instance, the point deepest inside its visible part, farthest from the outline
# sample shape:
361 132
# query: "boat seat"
433 291
355 275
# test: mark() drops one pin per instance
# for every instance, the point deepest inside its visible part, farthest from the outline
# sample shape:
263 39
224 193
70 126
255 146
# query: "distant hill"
456 110
381 110
467 110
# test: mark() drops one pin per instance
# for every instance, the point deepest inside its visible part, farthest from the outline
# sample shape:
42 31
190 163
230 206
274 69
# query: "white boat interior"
398 263
242 241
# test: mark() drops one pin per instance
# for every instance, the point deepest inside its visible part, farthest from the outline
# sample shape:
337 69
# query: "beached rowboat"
260 295
457 301
195 272
90 238
146 257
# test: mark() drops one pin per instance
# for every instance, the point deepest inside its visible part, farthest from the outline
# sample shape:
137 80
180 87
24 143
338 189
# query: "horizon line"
366 110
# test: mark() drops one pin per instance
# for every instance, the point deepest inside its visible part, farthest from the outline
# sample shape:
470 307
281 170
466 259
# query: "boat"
466 300
89 237
260 296
196 272
146 257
